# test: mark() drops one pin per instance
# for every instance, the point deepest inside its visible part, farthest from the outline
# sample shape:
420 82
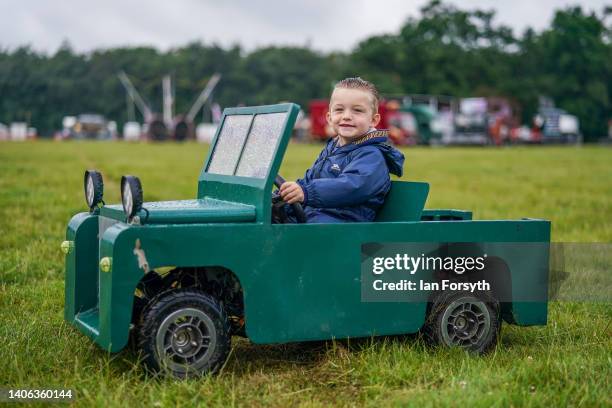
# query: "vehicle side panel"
300 282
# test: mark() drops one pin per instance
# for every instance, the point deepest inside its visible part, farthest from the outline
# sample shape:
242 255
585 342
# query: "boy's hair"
360 83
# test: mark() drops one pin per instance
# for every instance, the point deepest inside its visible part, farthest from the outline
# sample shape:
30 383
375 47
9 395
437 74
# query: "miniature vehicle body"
184 276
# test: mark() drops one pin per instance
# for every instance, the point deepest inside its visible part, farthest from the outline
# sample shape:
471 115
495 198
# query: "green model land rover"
183 277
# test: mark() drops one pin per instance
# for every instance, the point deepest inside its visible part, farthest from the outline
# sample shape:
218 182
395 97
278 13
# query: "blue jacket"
350 182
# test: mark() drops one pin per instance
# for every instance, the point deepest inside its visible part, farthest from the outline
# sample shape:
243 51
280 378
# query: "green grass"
568 362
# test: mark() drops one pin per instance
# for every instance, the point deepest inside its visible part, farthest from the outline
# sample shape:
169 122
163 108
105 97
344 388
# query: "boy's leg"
289 214
279 214
284 214
321 218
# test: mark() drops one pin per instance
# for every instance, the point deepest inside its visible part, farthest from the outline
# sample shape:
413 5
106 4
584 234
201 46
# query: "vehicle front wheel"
185 333
467 320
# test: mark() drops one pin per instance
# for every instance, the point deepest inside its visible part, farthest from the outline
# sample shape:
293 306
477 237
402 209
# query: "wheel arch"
216 280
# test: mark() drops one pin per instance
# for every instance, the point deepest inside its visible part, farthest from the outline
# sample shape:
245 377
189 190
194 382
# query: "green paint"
300 282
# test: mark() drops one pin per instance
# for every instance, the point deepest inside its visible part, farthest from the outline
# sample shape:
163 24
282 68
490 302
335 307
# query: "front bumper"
90 291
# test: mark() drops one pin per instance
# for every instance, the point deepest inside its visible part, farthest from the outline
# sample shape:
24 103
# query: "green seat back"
405 202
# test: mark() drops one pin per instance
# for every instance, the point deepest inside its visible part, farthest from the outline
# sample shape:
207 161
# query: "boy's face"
351 113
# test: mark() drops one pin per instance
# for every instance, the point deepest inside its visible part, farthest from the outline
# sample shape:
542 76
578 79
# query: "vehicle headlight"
94 188
131 195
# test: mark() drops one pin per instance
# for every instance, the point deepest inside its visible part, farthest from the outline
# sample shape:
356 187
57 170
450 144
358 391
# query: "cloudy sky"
323 24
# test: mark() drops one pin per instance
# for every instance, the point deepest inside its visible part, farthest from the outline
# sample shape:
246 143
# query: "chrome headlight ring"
93 184
131 196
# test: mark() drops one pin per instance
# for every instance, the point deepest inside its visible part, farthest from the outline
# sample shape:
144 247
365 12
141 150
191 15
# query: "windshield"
246 144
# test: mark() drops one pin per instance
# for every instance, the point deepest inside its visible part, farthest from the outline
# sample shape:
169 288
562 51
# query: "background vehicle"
159 127
484 121
554 125
88 126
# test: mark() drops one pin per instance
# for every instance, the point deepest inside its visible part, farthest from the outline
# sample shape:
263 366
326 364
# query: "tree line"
446 50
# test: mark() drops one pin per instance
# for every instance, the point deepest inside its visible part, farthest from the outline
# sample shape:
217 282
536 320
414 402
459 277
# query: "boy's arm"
308 174
365 176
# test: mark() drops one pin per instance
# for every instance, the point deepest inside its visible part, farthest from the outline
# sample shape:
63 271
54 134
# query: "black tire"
185 333
462 319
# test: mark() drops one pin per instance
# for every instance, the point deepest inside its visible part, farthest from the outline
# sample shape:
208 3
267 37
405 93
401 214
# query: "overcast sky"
324 25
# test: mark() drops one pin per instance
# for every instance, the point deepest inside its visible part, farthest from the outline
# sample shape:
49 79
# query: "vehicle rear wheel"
185 333
462 319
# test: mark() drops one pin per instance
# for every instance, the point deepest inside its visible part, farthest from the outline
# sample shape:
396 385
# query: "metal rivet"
106 264
67 246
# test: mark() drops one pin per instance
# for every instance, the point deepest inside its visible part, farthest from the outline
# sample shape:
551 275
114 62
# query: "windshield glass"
246 144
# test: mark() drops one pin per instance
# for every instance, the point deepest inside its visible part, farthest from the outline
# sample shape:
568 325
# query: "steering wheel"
300 216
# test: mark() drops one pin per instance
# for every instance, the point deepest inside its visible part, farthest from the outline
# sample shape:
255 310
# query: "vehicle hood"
205 210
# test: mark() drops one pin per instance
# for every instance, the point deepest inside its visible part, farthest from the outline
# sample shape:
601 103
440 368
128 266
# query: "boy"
350 178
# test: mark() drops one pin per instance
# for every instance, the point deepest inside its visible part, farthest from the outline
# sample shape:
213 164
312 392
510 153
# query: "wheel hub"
465 322
186 339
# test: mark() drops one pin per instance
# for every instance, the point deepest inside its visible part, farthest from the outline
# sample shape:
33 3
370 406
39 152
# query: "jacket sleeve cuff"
304 190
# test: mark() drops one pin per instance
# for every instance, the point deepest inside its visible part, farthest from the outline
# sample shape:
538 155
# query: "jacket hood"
393 157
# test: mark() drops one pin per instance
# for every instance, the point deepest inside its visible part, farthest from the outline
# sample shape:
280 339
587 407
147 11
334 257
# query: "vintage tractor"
183 277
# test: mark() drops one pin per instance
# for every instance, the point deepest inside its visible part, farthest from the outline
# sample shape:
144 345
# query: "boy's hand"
291 192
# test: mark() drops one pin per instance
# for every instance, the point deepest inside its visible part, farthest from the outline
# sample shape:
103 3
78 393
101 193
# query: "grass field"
567 362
